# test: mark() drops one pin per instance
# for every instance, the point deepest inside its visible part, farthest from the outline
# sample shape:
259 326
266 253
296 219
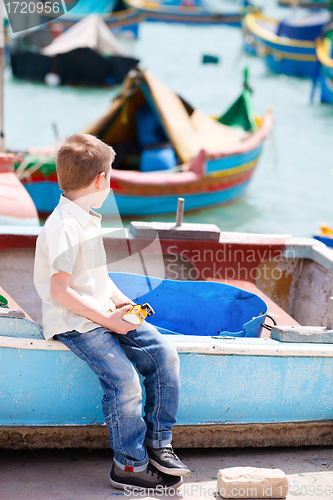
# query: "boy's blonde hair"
80 159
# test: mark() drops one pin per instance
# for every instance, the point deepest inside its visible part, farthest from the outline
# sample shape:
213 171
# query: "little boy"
84 309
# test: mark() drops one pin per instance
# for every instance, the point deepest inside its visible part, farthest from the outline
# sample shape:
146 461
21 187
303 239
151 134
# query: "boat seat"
13 326
12 304
281 317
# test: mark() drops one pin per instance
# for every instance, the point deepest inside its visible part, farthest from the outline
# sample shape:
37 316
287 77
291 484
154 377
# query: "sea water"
291 191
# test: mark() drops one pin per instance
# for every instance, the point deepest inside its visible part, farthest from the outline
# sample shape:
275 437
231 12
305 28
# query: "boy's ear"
99 180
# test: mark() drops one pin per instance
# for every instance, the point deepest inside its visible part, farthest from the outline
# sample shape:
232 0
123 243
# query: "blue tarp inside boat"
303 27
196 307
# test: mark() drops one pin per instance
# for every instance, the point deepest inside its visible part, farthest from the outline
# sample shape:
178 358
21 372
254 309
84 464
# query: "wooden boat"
308 4
325 59
165 149
16 205
85 54
123 21
288 46
192 11
234 391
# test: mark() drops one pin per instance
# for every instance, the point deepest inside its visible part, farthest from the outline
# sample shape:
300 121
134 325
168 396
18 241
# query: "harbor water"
292 189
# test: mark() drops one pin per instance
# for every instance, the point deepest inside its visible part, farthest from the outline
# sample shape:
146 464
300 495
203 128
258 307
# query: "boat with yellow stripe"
287 46
325 59
308 4
165 150
192 11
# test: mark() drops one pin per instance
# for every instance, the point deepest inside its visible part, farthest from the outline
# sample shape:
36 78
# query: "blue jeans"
110 356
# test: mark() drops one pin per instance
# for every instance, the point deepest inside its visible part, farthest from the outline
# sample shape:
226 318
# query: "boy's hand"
126 303
115 322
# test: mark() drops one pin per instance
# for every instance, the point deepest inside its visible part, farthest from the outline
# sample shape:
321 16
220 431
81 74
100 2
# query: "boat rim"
250 21
241 346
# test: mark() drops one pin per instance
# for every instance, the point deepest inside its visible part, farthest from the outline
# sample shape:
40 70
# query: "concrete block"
252 482
306 334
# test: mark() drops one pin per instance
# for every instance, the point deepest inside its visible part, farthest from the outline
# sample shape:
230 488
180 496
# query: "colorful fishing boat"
192 11
123 21
49 398
16 205
325 59
165 149
287 46
308 4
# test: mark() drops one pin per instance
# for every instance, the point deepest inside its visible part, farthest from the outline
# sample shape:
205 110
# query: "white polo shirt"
71 241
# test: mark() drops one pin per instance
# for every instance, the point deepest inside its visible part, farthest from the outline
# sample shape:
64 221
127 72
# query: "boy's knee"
128 396
170 359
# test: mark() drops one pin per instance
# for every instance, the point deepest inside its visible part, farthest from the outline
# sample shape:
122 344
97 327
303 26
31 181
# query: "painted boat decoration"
325 235
192 11
328 241
16 205
123 21
85 54
308 4
287 46
325 60
165 149
61 405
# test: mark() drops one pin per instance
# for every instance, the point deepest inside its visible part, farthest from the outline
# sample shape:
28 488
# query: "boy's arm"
118 297
66 296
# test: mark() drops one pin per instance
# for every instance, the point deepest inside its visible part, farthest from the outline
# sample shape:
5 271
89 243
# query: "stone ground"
80 474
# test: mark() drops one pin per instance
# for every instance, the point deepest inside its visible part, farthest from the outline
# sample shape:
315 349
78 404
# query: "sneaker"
148 478
166 460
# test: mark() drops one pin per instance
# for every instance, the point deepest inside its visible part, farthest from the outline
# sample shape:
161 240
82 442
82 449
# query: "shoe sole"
122 486
170 472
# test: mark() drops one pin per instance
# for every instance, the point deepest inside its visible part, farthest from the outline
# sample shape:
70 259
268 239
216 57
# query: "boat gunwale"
250 21
150 7
198 345
306 5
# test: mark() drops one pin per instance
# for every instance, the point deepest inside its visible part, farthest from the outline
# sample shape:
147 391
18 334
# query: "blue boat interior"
157 153
196 307
307 27
137 134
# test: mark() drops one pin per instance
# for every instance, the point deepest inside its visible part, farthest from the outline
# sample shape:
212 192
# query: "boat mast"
2 69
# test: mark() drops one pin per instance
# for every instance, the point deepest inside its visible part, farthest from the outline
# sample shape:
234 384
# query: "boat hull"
281 54
130 200
46 196
16 206
63 392
121 22
186 13
305 3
